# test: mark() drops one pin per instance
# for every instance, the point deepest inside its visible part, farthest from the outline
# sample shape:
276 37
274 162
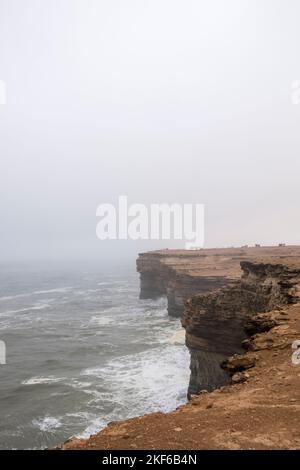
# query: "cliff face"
217 324
180 274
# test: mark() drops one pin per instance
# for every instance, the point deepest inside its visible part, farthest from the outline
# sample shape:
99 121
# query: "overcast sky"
160 100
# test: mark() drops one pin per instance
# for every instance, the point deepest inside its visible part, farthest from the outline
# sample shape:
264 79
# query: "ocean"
82 350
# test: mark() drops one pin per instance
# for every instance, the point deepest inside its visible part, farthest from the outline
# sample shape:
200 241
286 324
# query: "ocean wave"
101 320
79 384
42 380
11 297
57 290
95 426
25 309
153 380
36 292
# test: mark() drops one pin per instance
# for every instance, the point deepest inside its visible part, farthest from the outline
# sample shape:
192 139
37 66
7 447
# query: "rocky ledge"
244 387
180 274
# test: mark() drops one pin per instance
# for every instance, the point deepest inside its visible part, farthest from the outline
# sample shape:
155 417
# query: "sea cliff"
241 313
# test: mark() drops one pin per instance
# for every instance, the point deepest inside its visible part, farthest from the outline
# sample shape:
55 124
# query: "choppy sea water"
82 350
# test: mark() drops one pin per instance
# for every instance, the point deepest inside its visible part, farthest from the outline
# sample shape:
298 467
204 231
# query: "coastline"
257 405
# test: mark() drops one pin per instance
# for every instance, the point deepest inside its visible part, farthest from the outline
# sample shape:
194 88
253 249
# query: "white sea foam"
47 424
58 290
95 426
37 292
79 384
153 380
140 383
42 380
25 309
11 297
101 320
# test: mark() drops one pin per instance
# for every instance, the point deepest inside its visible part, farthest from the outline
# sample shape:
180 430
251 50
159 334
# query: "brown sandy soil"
261 413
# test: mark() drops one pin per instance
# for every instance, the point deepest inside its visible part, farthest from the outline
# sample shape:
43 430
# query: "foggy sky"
160 100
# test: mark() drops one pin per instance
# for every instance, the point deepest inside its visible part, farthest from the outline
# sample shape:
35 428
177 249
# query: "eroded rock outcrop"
218 324
179 274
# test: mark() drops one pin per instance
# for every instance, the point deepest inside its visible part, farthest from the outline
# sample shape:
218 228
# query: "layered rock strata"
180 274
218 324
